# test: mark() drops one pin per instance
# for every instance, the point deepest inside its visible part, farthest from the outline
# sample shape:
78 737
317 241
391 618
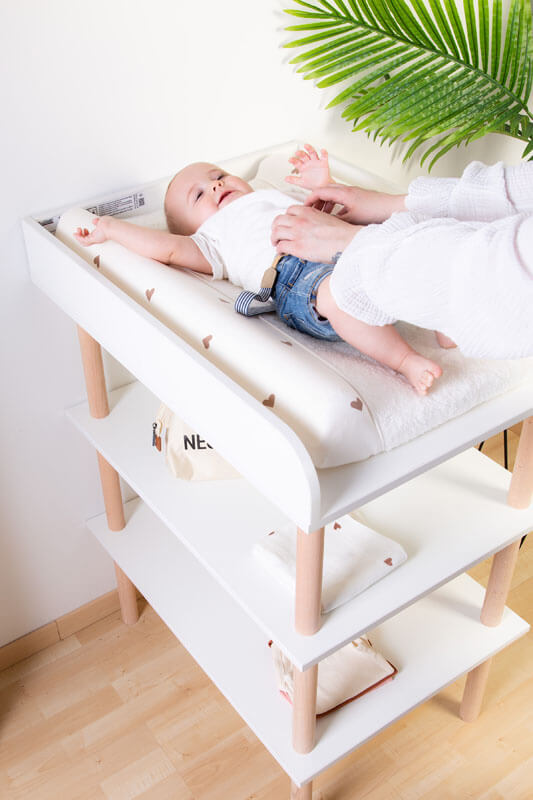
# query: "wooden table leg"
309 560
127 595
502 569
501 575
476 682
521 488
503 563
114 508
93 368
304 792
304 709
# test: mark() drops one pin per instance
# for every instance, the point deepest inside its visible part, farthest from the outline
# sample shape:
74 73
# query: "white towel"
399 413
343 676
355 557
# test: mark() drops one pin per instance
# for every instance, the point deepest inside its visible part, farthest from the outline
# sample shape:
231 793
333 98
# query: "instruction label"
118 206
50 224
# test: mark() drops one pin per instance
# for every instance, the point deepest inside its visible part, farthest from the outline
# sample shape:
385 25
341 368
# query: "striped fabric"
243 303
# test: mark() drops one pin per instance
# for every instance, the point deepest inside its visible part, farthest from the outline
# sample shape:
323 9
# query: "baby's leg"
383 343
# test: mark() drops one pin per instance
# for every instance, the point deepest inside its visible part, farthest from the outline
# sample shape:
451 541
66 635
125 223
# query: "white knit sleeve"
520 186
430 197
482 194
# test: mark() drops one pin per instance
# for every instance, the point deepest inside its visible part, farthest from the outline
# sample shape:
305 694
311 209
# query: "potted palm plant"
420 72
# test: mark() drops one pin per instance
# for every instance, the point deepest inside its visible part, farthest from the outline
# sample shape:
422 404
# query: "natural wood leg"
93 368
114 507
304 792
503 563
127 595
309 559
304 709
502 569
476 682
521 488
501 574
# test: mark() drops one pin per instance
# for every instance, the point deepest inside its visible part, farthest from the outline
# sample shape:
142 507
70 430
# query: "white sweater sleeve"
483 193
471 280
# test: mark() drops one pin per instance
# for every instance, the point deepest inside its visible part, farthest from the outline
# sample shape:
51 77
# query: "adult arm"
358 206
483 193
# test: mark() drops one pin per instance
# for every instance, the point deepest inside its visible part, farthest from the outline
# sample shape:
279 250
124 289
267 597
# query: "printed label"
50 224
119 206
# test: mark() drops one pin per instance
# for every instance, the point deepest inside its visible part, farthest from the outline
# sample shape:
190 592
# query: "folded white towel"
343 676
355 557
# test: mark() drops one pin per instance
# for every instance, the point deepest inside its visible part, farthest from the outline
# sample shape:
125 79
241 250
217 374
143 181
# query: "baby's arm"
168 248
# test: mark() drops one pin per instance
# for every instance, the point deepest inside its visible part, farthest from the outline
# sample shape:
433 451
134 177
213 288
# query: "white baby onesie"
236 240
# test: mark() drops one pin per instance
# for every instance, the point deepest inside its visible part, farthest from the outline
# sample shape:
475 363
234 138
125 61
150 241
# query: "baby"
218 225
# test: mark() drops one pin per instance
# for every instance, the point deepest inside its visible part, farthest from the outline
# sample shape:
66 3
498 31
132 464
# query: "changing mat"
343 406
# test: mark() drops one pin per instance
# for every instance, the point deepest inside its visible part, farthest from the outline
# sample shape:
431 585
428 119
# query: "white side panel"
260 446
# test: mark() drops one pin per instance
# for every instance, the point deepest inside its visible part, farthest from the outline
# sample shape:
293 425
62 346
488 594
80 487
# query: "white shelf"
421 641
446 519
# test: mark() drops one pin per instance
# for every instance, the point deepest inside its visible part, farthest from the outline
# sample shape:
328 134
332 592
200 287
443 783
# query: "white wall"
100 96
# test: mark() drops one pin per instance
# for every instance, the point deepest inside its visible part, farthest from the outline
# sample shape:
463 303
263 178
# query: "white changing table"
187 546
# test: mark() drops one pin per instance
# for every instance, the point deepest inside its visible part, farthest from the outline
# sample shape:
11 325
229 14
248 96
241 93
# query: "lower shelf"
431 643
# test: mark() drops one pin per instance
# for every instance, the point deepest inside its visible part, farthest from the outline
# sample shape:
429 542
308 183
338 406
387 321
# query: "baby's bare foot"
421 372
444 340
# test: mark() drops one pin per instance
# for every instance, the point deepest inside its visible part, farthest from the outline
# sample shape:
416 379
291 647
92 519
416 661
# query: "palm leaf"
415 72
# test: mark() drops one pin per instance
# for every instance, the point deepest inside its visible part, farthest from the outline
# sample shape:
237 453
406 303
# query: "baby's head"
197 192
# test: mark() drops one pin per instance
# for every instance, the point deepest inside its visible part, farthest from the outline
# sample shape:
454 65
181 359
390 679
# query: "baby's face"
199 191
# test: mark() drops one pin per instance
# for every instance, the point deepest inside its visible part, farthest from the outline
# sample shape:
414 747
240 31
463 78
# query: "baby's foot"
444 341
421 372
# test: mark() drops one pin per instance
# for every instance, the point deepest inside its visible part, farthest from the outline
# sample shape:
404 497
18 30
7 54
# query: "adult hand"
359 206
311 234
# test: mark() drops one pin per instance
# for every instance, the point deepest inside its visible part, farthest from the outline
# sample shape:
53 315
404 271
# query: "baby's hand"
96 236
311 169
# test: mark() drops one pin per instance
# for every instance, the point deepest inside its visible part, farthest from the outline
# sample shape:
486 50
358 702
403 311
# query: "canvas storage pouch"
343 676
187 453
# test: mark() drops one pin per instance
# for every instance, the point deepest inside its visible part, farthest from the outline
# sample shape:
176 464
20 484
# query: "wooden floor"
118 713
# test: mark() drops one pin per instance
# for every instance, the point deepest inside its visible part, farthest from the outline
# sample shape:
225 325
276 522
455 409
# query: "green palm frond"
417 72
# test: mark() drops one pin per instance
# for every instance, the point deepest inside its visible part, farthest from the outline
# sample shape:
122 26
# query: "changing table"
188 546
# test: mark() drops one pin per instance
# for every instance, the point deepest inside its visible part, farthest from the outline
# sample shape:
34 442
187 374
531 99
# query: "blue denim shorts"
295 296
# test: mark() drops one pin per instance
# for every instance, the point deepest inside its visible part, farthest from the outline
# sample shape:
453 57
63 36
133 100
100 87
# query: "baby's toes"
425 381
